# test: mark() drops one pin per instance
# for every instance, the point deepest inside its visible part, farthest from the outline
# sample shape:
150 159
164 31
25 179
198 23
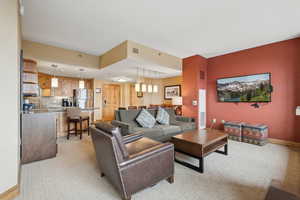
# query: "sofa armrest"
132 137
125 127
149 153
146 168
185 119
279 192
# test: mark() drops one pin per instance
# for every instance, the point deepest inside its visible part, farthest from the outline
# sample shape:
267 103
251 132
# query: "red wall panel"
282 60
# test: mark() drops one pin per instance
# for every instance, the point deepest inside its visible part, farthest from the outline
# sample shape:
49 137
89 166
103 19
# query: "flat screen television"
250 88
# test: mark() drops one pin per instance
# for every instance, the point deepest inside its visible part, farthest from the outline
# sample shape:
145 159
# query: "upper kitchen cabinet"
30 66
44 81
65 88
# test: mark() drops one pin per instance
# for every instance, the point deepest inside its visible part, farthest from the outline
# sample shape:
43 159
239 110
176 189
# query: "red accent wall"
282 59
192 83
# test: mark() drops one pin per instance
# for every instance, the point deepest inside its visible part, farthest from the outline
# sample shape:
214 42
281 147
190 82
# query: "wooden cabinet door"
44 81
67 87
111 101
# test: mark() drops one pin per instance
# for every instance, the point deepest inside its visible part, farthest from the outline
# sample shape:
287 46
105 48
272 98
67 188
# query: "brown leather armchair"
131 163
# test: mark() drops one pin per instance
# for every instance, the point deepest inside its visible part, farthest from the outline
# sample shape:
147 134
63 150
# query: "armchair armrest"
132 137
125 127
149 153
185 119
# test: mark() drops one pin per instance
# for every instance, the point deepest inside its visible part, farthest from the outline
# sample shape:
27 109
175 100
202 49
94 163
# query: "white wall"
9 100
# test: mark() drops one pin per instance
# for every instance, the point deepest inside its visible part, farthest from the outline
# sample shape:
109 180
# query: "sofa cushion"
169 129
129 116
153 133
145 119
172 115
185 126
162 116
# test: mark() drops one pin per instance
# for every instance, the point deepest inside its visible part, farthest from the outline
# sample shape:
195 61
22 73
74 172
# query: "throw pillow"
162 116
145 119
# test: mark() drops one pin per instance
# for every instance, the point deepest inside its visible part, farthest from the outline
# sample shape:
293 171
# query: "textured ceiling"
180 28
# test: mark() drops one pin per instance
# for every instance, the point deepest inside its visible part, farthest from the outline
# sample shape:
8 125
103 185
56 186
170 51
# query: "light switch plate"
298 110
194 102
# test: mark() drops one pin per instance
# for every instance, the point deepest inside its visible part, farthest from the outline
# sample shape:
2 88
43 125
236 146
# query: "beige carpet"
242 175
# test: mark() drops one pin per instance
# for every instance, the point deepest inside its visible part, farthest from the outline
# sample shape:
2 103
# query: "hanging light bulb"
144 87
155 88
81 84
54 82
137 87
150 88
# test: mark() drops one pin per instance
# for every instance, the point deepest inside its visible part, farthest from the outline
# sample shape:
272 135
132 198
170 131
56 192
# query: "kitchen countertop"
57 109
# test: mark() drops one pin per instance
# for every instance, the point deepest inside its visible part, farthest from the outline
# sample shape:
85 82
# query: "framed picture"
172 91
139 94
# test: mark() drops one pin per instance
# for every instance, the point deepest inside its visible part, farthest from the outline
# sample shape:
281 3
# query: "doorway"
111 101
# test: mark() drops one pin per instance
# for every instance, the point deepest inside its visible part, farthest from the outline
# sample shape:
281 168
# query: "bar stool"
74 116
132 107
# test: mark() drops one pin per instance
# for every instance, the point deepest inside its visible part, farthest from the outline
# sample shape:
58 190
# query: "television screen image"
251 88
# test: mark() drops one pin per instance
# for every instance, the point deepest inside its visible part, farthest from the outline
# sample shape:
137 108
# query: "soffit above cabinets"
123 62
141 54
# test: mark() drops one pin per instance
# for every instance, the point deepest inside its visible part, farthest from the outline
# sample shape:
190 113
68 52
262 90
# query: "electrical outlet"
223 121
214 120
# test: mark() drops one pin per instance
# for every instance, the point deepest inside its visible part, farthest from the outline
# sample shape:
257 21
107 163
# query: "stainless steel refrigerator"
83 98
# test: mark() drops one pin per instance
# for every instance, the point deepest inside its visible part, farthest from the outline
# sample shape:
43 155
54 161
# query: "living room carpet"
244 174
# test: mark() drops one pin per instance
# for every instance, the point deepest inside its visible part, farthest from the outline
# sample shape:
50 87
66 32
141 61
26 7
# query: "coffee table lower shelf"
199 168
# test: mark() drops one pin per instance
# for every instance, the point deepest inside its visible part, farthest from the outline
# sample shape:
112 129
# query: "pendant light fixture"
150 87
155 87
137 84
54 80
81 81
144 85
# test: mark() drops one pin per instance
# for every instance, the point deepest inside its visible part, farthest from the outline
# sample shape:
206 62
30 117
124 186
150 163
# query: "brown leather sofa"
131 163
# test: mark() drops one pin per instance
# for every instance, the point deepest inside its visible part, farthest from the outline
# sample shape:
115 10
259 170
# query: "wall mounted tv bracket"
255 105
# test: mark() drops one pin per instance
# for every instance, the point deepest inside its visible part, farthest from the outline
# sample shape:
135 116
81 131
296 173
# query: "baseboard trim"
284 142
11 193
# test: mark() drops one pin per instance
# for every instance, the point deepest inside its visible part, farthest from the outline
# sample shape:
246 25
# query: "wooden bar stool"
132 107
74 116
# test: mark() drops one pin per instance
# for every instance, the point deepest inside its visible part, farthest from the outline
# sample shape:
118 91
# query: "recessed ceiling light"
121 80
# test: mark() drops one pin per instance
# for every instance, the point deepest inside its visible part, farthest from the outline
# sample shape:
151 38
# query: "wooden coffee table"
200 143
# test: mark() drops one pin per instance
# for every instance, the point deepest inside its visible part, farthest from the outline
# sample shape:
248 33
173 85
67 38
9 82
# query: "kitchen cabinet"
66 85
30 66
44 81
38 136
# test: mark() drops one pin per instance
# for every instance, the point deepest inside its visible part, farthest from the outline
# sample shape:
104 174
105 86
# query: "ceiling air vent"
135 50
